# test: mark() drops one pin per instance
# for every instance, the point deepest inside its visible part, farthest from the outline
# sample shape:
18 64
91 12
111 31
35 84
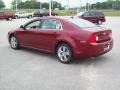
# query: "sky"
72 3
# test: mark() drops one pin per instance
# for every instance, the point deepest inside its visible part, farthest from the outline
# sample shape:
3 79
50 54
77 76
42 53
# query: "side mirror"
22 27
34 27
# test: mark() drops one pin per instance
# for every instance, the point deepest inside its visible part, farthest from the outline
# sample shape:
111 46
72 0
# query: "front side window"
34 24
51 24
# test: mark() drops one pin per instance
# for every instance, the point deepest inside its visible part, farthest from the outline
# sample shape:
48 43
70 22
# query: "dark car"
67 39
52 14
6 16
41 14
38 14
93 16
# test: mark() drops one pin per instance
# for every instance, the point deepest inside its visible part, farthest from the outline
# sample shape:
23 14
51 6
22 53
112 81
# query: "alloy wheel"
13 42
64 53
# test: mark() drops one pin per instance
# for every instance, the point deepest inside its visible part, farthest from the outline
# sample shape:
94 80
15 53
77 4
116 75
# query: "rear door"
89 16
50 29
93 17
100 16
86 16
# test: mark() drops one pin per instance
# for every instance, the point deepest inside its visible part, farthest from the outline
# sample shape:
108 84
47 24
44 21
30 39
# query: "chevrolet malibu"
66 38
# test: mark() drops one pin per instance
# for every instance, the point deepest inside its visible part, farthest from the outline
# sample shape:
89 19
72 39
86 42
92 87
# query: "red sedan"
67 38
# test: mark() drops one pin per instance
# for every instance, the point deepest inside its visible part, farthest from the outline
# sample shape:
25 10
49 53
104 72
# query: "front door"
27 36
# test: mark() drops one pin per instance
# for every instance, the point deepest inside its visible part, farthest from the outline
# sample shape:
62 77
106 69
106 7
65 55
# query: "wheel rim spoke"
13 42
63 53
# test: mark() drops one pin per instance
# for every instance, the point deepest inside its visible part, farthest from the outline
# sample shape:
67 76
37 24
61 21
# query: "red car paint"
85 42
6 16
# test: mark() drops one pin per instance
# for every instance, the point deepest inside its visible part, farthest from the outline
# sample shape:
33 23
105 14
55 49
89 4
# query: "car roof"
52 17
60 18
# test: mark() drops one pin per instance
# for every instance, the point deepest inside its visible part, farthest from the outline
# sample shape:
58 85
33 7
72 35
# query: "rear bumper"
94 49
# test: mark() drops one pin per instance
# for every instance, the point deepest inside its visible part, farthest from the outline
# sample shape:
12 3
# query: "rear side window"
92 13
96 13
51 24
99 14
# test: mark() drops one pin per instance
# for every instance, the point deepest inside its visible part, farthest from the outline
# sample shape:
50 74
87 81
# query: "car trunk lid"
100 34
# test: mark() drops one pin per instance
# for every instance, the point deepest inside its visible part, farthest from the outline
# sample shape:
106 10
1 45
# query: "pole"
16 6
80 4
40 5
68 4
50 8
88 6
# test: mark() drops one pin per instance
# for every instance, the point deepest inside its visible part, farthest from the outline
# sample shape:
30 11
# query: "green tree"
13 3
34 4
2 5
21 5
109 4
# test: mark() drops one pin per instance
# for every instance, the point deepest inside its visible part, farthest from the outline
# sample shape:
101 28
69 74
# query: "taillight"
93 38
110 34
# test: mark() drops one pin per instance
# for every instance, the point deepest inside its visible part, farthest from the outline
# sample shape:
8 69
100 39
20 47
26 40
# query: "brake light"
110 34
93 38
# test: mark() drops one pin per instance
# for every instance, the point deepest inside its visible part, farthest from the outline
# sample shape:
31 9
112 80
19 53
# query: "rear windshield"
82 23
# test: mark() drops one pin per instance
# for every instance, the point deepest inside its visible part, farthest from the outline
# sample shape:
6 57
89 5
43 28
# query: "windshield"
82 23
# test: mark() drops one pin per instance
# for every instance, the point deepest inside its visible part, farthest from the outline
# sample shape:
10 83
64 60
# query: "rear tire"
14 42
99 22
64 53
30 16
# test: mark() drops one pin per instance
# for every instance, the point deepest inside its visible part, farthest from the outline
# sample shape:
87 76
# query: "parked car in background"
38 14
68 39
23 14
6 16
44 13
52 13
93 16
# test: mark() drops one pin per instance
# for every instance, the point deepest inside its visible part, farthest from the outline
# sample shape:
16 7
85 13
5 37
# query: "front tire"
9 19
16 17
64 53
14 42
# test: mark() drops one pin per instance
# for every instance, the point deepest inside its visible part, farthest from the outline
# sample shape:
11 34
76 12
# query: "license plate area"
106 47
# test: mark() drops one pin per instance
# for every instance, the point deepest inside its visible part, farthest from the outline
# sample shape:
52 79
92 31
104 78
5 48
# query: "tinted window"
34 24
99 14
51 24
86 14
92 13
37 12
82 23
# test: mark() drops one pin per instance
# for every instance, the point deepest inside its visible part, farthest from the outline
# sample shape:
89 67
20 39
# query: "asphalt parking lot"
27 69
